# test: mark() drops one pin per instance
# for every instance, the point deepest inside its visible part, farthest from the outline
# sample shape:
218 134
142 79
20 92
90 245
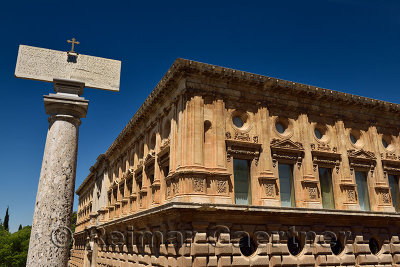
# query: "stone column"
50 235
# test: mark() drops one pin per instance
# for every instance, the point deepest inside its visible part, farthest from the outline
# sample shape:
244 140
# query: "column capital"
66 101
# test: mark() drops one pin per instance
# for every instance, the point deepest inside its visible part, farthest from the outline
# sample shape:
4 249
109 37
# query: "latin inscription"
45 65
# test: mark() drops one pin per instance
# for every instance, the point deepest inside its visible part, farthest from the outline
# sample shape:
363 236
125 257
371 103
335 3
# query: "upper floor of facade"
214 135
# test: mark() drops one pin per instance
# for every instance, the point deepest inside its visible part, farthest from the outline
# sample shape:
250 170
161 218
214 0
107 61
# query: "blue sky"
346 45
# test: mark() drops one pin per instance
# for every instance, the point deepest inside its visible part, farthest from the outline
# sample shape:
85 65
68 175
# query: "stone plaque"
45 65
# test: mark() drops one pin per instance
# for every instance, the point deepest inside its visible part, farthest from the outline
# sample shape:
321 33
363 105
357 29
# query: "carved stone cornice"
361 159
243 137
286 150
127 175
114 185
322 147
163 155
243 149
325 157
389 169
150 159
287 146
202 172
165 144
391 166
361 155
139 167
267 176
390 156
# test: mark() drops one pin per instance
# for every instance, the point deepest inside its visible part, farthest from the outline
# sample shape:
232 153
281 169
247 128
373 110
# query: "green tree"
6 220
73 221
14 247
20 227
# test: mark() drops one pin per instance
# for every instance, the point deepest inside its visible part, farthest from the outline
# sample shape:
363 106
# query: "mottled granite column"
50 236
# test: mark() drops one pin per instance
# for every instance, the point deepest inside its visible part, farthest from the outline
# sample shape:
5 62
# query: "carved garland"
270 190
198 184
351 194
221 186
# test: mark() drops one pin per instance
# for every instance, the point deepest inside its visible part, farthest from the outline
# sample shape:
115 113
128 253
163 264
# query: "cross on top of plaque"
73 42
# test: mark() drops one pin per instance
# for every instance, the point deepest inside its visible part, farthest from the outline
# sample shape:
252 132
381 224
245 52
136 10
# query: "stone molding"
242 145
325 157
391 166
361 159
286 150
169 206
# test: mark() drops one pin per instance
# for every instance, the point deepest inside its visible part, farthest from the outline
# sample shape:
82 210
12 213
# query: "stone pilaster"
50 236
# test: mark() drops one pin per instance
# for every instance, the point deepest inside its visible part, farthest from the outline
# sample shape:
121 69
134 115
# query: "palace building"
221 167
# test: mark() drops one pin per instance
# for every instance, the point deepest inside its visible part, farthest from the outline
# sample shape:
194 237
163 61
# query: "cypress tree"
6 219
20 227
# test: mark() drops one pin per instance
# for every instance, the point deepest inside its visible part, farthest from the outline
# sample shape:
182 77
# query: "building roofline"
92 169
189 66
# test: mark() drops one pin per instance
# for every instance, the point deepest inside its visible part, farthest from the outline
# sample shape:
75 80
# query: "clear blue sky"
347 45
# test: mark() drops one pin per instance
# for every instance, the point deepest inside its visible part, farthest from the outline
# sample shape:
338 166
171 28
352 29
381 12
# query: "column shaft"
50 234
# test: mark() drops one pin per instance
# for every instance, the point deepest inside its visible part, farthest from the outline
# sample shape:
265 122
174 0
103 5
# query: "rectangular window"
325 179
362 190
286 185
241 173
394 190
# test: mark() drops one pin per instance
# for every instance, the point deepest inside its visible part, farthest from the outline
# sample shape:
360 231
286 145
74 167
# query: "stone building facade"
221 167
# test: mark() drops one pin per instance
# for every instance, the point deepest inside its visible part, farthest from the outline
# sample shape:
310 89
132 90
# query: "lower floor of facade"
189 234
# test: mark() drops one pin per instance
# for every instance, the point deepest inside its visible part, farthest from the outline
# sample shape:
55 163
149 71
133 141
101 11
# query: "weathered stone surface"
45 65
50 235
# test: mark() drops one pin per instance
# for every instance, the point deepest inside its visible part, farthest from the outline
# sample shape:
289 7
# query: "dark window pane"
325 178
286 185
241 177
362 190
394 190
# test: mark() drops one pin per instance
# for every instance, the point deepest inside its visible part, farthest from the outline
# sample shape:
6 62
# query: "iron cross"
73 42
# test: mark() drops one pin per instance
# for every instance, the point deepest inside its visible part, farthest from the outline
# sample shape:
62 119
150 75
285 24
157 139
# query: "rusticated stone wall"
182 234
